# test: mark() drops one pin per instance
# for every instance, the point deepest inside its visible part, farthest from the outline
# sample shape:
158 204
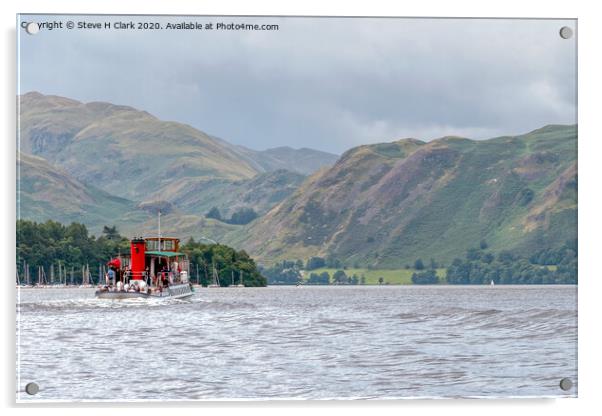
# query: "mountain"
261 192
49 193
46 192
303 161
385 205
122 150
131 153
100 153
381 205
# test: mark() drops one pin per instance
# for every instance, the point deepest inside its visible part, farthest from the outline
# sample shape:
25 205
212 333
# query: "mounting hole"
32 28
566 32
566 384
32 388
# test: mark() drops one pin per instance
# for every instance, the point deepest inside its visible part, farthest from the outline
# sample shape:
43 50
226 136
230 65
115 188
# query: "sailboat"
42 280
240 283
215 282
26 276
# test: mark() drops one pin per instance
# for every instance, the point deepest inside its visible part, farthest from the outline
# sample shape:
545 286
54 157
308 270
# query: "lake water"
300 342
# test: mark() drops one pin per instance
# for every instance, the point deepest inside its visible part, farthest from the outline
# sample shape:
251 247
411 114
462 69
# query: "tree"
428 277
418 264
339 277
315 263
505 256
332 262
433 264
110 232
214 213
483 244
243 216
283 273
381 280
473 254
488 258
313 278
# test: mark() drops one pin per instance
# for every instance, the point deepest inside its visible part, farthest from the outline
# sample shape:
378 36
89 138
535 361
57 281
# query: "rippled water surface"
300 342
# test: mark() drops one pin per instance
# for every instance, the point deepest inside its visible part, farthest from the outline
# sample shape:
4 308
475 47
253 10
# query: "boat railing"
169 275
136 275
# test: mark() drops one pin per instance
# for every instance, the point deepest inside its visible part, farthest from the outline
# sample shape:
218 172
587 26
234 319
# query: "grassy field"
392 277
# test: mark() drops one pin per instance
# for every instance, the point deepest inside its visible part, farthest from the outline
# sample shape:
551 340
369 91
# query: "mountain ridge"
378 205
387 204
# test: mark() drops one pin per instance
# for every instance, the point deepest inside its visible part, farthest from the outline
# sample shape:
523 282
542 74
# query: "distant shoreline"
74 287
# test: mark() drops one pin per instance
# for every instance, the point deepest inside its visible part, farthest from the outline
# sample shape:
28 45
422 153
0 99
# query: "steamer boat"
155 268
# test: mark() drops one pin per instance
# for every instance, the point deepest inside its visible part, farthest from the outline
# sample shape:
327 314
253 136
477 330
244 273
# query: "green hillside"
47 193
372 276
379 206
132 154
261 193
119 149
386 205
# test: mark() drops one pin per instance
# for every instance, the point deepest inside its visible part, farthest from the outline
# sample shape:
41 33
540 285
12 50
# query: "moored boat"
215 282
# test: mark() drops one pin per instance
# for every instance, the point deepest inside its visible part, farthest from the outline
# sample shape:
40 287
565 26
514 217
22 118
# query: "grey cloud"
324 83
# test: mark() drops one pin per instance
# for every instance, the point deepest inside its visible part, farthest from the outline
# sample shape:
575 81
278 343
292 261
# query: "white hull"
178 291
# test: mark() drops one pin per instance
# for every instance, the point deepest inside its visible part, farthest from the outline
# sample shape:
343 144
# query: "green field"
390 276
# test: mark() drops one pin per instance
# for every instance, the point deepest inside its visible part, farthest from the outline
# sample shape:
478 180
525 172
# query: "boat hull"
180 291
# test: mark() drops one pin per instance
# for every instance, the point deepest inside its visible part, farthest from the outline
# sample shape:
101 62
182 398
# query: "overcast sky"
324 83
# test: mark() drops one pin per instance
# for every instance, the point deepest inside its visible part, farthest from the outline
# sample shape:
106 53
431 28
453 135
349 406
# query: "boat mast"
159 229
215 276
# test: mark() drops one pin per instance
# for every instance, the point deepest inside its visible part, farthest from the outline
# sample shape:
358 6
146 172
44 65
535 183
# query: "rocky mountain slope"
385 205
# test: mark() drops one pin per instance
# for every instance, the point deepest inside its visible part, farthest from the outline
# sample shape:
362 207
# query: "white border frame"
589 196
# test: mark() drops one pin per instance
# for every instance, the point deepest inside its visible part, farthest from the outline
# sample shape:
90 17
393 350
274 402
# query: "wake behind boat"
154 269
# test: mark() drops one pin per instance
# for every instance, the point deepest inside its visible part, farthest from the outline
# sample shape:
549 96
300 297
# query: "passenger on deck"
111 275
164 273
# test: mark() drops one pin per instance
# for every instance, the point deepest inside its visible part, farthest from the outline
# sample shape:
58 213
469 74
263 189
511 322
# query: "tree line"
230 265
480 266
290 272
48 243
